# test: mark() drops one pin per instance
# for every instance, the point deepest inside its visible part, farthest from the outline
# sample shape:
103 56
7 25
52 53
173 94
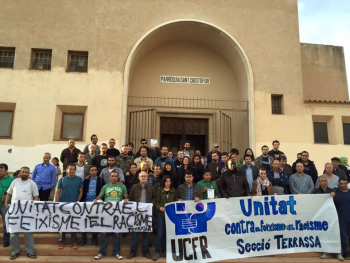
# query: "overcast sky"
326 22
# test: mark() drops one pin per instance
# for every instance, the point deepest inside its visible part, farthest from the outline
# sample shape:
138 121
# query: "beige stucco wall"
324 72
267 30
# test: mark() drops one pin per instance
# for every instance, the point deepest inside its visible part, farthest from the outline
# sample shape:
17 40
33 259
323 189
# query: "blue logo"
188 223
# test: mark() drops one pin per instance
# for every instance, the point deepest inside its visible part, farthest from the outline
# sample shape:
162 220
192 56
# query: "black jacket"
283 181
100 184
309 169
255 171
233 184
68 157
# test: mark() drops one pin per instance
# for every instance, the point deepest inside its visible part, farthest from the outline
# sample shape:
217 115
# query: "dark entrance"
175 131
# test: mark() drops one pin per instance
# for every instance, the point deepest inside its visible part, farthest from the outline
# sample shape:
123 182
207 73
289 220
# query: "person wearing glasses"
150 152
309 166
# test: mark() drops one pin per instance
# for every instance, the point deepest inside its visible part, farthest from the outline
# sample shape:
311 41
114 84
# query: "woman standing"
198 168
262 185
165 194
249 152
180 174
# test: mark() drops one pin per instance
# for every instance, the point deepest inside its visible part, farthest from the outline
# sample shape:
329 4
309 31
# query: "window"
346 131
276 103
7 57
321 132
78 61
72 126
41 59
6 120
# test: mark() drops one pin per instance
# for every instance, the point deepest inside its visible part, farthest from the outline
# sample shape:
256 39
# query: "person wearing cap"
233 183
215 149
336 169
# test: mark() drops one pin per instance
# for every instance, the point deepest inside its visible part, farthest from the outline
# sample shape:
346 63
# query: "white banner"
185 80
220 229
38 216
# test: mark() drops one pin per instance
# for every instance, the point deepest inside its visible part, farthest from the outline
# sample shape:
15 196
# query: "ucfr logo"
190 223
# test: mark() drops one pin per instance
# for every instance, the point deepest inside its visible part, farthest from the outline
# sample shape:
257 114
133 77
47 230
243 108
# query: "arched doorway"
189 48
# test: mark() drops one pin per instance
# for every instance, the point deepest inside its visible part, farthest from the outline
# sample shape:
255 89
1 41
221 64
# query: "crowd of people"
102 172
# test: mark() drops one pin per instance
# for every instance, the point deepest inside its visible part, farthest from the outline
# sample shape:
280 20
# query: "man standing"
250 171
143 157
111 150
5 182
143 193
92 187
278 179
332 179
164 158
233 183
223 163
91 154
286 168
213 166
101 160
44 175
150 152
343 208
22 189
94 141
275 153
124 160
264 160
69 189
208 187
69 155
82 169
215 149
154 179
309 166
188 190
112 192
130 146
179 158
336 170
301 183
106 172
187 150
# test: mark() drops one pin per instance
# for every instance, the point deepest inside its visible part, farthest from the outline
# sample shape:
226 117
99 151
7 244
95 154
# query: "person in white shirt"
82 169
22 188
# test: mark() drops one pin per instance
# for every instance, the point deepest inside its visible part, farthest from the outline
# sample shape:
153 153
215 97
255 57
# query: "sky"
326 22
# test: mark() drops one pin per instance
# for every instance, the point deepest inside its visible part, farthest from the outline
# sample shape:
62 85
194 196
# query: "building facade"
207 71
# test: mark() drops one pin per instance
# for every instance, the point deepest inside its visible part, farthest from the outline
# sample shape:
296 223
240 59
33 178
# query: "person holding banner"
165 194
262 185
92 187
112 192
301 183
209 188
188 190
344 215
144 193
22 188
5 182
69 189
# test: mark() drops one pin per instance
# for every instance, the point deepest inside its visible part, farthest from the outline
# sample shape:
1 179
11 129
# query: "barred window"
41 59
276 103
321 132
78 61
7 57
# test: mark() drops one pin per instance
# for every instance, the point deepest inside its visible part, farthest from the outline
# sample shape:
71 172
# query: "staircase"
47 251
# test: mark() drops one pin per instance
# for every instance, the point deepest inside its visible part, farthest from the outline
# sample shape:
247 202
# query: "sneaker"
118 257
163 255
32 256
94 243
325 256
340 257
99 256
155 257
82 243
347 258
75 246
6 244
14 256
60 245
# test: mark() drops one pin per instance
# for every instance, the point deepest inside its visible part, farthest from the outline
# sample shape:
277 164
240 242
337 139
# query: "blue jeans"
161 234
135 243
3 212
104 243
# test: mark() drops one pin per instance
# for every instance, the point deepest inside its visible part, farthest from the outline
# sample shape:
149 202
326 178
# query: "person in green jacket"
208 187
5 182
165 194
